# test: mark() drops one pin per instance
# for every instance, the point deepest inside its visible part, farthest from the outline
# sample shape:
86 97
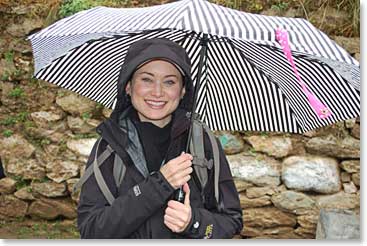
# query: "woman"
155 93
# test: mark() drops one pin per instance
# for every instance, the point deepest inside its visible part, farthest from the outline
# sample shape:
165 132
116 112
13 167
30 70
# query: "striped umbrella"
256 73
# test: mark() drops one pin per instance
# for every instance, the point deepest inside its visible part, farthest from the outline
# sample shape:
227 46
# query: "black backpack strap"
200 163
119 170
216 157
89 171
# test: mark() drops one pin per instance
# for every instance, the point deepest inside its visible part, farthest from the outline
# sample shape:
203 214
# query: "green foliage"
45 141
9 121
12 120
7 133
17 92
86 115
71 7
21 183
9 56
280 6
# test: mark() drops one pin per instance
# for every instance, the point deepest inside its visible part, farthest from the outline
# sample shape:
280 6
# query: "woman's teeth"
154 103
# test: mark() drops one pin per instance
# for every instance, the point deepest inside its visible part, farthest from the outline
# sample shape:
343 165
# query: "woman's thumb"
186 189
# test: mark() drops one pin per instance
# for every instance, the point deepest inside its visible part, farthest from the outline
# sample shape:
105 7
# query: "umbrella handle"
320 109
180 194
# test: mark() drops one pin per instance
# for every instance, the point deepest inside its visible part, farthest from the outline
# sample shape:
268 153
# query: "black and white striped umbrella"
246 81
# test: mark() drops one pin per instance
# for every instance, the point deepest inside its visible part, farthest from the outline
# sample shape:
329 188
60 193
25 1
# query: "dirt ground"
26 228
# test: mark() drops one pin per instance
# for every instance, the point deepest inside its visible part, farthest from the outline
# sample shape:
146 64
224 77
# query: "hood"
143 51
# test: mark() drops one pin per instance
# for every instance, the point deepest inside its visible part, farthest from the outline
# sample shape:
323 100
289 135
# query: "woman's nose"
157 89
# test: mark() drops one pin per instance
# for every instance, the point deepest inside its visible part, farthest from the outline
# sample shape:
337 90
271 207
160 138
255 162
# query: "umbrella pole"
180 194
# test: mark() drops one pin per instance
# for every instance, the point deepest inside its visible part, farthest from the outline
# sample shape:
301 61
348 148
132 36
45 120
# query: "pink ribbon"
320 109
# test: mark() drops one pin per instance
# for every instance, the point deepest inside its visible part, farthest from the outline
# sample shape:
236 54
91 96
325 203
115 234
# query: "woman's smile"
156 89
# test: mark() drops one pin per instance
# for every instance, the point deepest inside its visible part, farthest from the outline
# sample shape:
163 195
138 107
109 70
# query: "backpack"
200 164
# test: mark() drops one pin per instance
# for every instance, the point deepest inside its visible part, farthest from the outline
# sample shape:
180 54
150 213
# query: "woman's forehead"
158 67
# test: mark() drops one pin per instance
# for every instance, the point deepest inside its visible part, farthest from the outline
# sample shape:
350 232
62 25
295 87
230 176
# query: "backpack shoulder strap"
201 164
216 157
89 171
119 170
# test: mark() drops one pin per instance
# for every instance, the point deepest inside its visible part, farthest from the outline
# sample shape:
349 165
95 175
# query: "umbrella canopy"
249 79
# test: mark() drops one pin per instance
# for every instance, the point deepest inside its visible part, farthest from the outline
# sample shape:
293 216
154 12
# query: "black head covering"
148 49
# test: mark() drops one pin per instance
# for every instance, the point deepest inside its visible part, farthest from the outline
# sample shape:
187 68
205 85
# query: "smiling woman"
156 89
148 131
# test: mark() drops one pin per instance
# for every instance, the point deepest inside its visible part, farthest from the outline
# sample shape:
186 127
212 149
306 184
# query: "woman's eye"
146 79
169 82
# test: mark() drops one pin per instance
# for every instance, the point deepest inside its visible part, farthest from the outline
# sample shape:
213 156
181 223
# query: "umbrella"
251 72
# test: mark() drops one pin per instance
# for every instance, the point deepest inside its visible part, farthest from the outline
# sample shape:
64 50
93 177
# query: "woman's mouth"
155 104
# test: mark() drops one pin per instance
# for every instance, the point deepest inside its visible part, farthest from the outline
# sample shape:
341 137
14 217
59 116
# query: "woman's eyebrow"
151 74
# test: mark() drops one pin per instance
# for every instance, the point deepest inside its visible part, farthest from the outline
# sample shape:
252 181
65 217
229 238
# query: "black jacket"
140 214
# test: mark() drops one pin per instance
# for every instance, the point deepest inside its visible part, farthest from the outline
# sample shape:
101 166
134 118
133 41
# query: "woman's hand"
177 171
178 215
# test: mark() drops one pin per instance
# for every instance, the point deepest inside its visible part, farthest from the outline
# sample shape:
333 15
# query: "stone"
25 193
70 184
308 221
231 143
348 147
275 146
12 207
81 146
340 200
254 192
293 202
356 131
26 169
241 185
15 146
260 170
337 130
279 232
356 178
345 177
305 233
49 189
43 119
75 104
7 70
351 44
78 125
337 224
106 112
350 188
254 202
351 166
311 173
350 123
49 209
23 29
7 185
60 171
267 217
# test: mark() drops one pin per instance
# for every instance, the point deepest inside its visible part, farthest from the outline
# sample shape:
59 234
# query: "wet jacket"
142 197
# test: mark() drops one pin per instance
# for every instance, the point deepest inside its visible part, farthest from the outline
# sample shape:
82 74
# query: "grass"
25 228
17 92
8 133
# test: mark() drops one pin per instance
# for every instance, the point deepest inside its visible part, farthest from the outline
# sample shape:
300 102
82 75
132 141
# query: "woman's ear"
128 88
183 91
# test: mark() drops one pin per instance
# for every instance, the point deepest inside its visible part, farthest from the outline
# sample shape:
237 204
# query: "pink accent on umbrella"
321 110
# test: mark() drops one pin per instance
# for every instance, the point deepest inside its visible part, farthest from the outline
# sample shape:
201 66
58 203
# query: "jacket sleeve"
98 219
210 222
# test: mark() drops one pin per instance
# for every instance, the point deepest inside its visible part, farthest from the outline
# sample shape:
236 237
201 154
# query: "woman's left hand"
178 215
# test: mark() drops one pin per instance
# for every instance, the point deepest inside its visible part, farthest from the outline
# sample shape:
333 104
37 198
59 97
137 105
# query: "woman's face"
156 89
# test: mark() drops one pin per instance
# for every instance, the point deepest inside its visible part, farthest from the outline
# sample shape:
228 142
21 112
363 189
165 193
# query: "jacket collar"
118 138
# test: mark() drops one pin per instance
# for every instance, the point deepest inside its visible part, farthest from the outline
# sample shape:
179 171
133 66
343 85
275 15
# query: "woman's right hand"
177 171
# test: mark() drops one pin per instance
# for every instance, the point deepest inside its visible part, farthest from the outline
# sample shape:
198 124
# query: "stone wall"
284 180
